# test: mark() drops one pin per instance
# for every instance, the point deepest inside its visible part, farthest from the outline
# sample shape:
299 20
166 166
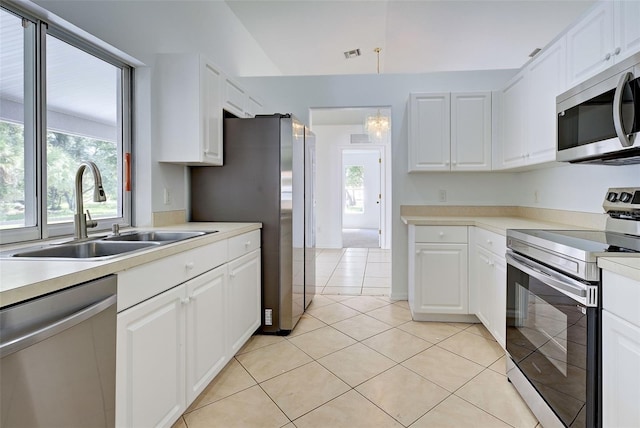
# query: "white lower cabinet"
150 379
171 346
620 351
488 288
244 299
490 291
438 280
206 313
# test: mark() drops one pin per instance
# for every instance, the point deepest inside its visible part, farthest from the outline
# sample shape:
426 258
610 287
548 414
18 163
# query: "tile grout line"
360 341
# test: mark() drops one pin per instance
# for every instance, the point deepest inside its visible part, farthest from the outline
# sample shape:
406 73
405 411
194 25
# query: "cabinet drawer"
142 282
491 241
243 244
455 234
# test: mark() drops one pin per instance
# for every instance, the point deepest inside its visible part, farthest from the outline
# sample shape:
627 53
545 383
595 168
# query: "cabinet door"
150 362
590 44
626 29
206 329
211 114
441 285
235 99
429 132
546 81
620 372
471 131
481 283
498 300
244 299
513 124
254 107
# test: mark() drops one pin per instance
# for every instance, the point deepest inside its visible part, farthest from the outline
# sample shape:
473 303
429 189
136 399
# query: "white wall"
574 187
329 140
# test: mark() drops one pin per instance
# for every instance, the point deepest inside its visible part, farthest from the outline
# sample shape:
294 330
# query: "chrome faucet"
80 219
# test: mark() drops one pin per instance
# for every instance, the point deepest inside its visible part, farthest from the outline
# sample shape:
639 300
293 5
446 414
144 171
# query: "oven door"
553 340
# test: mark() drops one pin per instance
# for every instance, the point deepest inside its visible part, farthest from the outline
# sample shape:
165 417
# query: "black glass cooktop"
588 241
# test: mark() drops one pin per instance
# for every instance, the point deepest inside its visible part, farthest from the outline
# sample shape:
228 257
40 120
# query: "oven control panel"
623 202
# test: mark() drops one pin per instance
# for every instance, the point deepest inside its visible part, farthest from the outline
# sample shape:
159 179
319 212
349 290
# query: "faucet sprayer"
80 219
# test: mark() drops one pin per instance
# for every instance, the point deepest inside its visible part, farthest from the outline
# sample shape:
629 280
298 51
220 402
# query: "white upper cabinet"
450 132
192 93
590 44
235 98
254 107
528 111
626 36
606 35
513 123
189 110
471 131
429 132
547 79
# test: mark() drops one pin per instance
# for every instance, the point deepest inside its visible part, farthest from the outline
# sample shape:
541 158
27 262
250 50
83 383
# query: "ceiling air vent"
360 139
534 52
352 53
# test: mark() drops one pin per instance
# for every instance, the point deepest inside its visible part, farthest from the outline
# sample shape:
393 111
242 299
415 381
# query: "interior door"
361 190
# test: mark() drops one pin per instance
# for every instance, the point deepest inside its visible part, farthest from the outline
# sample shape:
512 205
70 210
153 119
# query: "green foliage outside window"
64 154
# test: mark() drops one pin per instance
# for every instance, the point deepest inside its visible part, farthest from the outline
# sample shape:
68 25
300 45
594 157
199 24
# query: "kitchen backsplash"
169 218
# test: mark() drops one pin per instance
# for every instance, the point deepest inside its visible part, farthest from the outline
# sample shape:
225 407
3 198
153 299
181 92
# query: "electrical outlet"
442 195
167 196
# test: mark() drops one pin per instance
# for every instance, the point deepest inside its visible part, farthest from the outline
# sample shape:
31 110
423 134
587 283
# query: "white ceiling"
308 37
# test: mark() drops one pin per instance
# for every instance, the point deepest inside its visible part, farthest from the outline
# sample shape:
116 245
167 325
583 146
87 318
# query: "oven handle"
565 285
625 139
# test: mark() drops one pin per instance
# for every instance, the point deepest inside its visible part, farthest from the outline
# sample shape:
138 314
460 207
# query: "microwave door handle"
617 110
564 285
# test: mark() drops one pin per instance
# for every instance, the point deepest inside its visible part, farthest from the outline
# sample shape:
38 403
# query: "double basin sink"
107 247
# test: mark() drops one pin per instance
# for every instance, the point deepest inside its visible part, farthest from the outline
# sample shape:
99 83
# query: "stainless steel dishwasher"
58 358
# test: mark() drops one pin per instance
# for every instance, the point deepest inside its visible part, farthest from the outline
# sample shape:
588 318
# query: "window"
62 102
354 188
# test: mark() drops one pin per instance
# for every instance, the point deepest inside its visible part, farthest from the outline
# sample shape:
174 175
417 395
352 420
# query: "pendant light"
376 126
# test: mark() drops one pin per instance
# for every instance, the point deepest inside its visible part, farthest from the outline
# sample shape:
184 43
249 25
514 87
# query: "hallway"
353 271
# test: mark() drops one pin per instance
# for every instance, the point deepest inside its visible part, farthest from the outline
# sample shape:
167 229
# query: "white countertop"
22 279
628 266
495 224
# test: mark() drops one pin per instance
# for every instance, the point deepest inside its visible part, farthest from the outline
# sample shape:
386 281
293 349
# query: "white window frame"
36 132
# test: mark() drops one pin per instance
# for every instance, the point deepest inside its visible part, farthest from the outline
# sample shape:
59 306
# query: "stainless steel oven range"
553 319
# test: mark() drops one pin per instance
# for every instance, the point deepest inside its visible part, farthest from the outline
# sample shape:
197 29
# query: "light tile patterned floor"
353 271
359 361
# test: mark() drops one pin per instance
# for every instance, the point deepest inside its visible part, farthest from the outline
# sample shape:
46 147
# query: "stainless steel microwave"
598 120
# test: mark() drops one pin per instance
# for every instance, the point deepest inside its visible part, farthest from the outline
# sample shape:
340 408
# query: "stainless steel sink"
104 248
85 250
156 236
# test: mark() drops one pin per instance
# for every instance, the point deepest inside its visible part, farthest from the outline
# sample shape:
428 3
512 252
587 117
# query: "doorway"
362 193
353 202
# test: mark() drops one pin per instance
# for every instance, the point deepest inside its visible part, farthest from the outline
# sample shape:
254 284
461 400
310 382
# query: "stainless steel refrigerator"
268 176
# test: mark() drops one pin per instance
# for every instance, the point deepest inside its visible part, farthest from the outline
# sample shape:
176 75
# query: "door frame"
381 149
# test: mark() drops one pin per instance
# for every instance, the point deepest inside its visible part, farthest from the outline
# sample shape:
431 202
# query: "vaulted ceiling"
308 37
